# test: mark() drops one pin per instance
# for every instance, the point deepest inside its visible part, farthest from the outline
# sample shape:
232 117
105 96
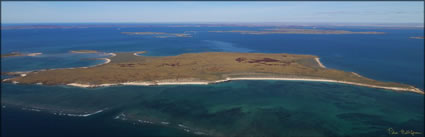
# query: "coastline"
158 83
200 82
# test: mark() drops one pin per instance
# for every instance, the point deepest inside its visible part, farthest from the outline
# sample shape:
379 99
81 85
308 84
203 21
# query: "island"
14 54
201 68
84 51
295 31
420 37
159 34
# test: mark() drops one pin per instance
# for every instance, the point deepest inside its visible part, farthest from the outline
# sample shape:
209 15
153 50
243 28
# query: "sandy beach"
320 63
106 61
416 90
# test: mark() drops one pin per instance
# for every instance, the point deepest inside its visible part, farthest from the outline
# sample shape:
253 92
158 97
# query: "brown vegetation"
84 51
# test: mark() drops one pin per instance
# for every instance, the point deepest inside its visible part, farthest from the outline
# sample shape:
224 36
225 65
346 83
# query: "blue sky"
320 12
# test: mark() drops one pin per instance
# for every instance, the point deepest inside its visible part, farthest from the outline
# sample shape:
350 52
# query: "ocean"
271 108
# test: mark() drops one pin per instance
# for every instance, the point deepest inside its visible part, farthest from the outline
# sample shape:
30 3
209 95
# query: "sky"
186 12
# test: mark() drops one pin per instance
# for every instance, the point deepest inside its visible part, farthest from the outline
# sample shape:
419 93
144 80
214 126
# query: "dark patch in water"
365 118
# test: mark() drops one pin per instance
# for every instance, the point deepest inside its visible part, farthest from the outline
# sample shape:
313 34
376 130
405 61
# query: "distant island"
200 68
14 54
84 51
420 37
286 25
159 34
296 31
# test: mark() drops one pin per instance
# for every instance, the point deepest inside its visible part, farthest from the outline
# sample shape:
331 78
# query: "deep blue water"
16 122
389 57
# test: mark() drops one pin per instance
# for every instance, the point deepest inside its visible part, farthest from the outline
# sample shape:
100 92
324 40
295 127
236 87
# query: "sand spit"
140 52
320 63
106 62
357 74
112 54
412 89
34 54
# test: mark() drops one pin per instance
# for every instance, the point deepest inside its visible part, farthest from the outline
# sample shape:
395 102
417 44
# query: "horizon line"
247 23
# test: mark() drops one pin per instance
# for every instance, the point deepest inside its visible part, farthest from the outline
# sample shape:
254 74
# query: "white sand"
107 60
183 83
320 63
413 89
4 80
138 83
112 54
357 74
34 54
80 85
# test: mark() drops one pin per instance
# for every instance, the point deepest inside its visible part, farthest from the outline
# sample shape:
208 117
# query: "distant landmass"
420 37
84 51
136 25
296 31
159 34
14 54
200 68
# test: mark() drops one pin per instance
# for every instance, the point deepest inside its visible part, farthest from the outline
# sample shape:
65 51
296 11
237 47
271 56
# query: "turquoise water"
271 108
258 108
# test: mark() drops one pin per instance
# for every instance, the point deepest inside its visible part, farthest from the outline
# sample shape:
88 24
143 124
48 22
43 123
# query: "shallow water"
238 107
